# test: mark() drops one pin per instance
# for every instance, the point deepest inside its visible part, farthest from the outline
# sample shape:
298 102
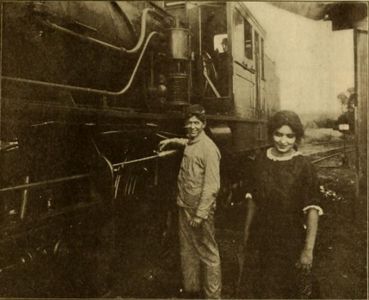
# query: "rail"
336 152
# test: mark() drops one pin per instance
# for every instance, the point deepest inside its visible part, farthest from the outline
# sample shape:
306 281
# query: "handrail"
142 33
135 48
44 183
138 160
81 36
83 89
118 166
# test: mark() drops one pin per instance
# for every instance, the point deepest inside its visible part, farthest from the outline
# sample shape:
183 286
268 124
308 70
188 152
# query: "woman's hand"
195 222
306 260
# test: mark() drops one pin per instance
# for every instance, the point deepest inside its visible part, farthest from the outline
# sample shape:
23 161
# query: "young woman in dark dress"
283 211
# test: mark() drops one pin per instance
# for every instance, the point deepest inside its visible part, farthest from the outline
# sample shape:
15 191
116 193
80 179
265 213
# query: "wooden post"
361 132
1 65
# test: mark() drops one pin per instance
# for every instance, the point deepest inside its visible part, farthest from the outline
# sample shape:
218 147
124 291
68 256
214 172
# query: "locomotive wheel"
103 177
133 199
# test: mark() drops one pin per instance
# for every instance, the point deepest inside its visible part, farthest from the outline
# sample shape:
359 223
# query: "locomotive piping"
137 47
86 175
88 90
157 155
43 183
161 10
81 36
142 33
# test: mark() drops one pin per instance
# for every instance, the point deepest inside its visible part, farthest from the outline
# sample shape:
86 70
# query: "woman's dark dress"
282 190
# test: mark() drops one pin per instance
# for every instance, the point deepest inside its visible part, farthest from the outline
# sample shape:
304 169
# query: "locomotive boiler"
88 89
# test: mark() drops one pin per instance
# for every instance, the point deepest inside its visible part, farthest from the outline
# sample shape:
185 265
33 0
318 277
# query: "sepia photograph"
183 149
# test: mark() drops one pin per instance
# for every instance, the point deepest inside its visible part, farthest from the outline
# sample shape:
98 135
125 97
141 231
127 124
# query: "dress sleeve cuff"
201 214
318 208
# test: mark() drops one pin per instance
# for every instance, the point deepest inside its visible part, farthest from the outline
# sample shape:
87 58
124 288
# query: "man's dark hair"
196 110
286 117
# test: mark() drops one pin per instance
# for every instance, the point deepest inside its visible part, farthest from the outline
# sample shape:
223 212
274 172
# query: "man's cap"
196 110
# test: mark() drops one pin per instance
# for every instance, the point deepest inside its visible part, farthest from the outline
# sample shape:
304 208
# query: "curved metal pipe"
88 90
81 36
142 33
135 48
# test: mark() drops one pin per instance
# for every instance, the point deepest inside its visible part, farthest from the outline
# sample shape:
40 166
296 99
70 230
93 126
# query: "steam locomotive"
88 89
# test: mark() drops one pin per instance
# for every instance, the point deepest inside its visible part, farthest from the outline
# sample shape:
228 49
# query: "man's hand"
195 222
163 144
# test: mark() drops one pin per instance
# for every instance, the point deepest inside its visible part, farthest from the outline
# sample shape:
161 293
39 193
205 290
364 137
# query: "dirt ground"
340 263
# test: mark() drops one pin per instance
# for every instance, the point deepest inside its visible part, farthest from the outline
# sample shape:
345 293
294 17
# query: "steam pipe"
24 200
158 155
88 90
81 36
163 11
143 31
43 183
139 44
86 175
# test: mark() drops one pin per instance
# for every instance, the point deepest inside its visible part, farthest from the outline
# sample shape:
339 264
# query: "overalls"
198 186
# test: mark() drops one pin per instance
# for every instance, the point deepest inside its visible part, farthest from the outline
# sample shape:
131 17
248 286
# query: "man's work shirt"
198 178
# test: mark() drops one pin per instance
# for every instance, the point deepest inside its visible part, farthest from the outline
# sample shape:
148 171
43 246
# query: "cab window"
214 50
238 36
248 39
243 39
221 43
262 59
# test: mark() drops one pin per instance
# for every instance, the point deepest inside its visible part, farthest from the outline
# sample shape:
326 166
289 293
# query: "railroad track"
324 155
338 143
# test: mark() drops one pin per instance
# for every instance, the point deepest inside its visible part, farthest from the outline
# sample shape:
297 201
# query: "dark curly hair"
286 117
196 110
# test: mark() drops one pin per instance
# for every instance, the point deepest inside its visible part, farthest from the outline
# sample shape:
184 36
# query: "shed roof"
344 15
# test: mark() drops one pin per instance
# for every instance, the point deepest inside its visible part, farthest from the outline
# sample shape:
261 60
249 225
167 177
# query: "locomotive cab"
229 68
228 56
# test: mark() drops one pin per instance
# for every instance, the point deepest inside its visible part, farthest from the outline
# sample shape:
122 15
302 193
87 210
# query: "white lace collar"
271 156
